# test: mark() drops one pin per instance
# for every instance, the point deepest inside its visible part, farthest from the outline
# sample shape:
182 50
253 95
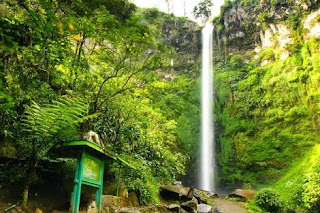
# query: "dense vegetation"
131 75
72 66
268 106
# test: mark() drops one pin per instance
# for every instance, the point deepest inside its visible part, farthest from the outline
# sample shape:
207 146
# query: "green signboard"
89 171
92 169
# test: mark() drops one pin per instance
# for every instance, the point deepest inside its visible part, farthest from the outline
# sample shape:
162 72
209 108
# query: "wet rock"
243 194
190 206
203 208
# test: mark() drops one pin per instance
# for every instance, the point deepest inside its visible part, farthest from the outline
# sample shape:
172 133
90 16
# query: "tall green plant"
43 126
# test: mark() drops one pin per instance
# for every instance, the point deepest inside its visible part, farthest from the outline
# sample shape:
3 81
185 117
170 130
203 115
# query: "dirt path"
229 206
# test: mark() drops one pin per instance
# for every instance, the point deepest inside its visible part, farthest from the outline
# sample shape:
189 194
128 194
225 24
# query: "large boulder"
174 192
190 206
176 189
203 208
243 194
203 196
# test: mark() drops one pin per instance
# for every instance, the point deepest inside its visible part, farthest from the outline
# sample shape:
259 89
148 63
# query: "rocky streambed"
174 198
181 199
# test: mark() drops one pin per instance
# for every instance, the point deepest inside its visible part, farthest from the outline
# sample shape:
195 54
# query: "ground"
230 206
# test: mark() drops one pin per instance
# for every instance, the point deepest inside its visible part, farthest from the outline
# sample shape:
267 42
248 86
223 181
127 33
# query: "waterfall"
207 152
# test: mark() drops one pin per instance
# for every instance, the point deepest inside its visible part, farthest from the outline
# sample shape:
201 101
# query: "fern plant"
48 121
43 125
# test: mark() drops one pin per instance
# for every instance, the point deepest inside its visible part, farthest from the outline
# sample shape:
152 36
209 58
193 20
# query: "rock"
141 209
128 210
133 199
154 208
203 208
93 137
177 183
174 208
92 208
190 206
19 210
123 191
217 210
243 194
176 189
114 201
174 192
190 193
38 210
202 196
312 25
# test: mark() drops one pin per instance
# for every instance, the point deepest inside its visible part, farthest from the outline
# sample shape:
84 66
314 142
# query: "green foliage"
269 200
116 58
310 190
203 9
264 114
267 108
144 182
42 123
235 199
12 173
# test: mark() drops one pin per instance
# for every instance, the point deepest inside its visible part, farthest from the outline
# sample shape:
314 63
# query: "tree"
203 10
110 56
44 127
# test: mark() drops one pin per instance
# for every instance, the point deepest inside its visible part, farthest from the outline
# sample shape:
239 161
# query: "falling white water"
207 152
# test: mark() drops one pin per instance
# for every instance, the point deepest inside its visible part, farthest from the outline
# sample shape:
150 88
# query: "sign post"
89 171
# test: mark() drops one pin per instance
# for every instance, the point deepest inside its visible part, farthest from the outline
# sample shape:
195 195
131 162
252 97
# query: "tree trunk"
30 177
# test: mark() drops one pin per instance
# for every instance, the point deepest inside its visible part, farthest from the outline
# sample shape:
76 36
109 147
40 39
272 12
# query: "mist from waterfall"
207 151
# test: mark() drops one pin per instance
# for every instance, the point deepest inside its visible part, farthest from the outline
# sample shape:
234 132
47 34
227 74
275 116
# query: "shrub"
310 196
269 200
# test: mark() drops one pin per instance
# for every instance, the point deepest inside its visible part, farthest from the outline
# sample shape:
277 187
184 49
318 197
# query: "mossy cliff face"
182 36
242 21
267 74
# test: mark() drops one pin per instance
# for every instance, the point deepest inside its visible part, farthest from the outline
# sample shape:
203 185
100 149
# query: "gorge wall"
267 84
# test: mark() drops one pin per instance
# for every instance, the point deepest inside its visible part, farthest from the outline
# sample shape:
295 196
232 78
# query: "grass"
253 208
